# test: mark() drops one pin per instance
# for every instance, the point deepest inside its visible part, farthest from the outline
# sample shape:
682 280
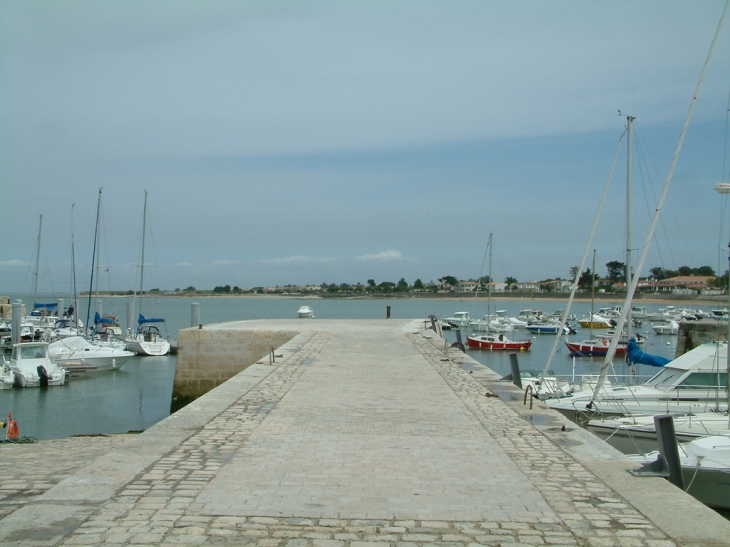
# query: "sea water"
138 396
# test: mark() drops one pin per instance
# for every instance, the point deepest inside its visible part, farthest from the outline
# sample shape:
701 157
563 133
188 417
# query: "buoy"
13 431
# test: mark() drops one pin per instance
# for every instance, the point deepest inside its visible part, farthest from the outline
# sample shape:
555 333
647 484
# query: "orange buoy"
13 431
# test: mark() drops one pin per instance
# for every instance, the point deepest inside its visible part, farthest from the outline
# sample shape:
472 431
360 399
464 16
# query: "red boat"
497 342
595 347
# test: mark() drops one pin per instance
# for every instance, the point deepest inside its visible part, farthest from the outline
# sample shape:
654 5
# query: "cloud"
384 256
299 259
13 264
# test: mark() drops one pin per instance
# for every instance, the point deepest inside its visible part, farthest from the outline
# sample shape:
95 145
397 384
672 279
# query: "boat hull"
492 344
142 347
599 349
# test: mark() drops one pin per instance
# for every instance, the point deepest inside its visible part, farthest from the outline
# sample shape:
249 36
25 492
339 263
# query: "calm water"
138 396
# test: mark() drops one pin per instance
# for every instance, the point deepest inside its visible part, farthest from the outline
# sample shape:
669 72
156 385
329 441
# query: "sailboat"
147 340
593 346
494 339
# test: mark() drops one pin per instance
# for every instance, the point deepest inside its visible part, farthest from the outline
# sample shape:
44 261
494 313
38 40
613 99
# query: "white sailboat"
147 340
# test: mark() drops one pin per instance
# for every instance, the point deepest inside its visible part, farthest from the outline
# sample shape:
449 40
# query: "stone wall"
208 357
695 333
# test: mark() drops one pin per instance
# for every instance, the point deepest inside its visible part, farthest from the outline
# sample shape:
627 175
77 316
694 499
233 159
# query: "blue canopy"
636 355
149 320
45 306
103 320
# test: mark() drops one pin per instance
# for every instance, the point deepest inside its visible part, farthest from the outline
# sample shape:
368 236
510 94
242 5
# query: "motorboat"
527 316
632 434
7 376
548 328
596 321
705 469
305 311
492 323
65 327
666 328
460 320
497 342
689 383
76 354
32 366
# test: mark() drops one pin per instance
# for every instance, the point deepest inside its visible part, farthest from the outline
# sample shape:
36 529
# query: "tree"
705 270
371 283
418 284
616 270
586 279
510 281
685 270
573 272
658 273
402 285
449 280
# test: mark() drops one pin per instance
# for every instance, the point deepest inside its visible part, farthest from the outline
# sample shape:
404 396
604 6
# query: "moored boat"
497 342
305 311
32 366
75 353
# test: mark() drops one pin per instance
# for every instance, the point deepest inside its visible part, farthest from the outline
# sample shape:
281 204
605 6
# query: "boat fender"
13 431
42 375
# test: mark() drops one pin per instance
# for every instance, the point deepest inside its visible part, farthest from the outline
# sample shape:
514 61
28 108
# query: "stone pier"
368 433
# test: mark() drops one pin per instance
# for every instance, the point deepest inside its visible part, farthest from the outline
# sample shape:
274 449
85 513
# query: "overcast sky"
310 142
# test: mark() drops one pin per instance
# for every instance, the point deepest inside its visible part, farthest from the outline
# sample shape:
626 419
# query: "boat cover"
103 320
638 356
142 319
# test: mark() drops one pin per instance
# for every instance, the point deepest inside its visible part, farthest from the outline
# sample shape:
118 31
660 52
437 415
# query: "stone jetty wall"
695 333
208 357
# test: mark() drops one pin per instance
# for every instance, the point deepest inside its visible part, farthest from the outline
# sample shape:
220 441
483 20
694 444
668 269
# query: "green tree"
371 283
511 283
449 280
658 273
616 270
573 272
402 285
705 270
418 284
586 279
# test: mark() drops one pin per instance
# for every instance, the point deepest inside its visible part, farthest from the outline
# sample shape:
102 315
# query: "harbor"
358 431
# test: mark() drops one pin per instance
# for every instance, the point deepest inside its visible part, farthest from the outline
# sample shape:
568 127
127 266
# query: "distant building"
527 286
466 286
685 284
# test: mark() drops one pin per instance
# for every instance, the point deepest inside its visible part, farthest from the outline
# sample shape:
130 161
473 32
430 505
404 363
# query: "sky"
337 142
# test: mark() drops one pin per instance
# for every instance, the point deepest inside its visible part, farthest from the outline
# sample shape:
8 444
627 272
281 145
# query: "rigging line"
645 250
574 288
479 279
640 149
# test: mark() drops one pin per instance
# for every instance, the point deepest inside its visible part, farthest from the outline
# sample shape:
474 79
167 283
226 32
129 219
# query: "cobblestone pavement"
333 449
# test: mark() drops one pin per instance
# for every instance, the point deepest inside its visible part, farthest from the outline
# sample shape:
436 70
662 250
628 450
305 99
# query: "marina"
138 395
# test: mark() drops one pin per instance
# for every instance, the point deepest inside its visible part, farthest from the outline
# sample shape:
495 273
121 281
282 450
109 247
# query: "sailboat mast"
629 169
141 271
73 268
489 286
37 259
93 260
593 289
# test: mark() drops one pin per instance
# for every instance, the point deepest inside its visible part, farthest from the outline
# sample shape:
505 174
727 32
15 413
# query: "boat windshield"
666 378
704 380
32 352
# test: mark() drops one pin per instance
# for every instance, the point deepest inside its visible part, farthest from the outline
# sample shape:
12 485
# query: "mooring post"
516 378
15 322
667 439
387 312
130 316
194 314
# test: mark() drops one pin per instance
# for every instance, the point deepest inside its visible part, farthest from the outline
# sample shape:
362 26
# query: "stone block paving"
354 443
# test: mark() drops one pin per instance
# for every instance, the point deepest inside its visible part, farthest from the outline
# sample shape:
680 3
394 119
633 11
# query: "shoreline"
666 300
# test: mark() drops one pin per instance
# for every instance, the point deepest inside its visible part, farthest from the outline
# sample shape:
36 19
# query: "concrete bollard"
194 314
667 439
515 366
